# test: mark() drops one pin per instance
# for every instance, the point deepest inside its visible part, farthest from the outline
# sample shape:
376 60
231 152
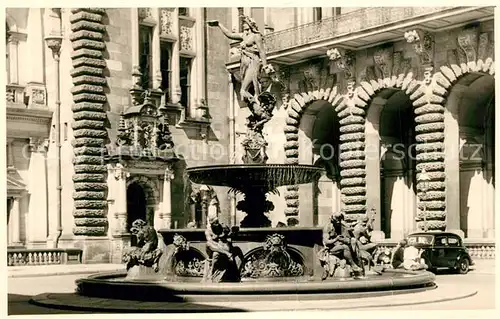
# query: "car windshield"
420 239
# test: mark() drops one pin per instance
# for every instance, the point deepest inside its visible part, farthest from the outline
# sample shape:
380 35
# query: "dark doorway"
136 206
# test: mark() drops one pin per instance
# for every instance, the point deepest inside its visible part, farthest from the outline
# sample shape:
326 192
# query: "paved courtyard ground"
482 279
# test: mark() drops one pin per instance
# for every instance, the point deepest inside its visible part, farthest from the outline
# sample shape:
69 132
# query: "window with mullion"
185 81
166 67
145 55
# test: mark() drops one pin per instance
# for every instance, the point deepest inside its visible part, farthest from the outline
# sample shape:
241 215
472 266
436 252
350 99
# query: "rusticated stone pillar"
89 130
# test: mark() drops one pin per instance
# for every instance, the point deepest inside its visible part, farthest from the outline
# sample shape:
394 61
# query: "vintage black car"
442 250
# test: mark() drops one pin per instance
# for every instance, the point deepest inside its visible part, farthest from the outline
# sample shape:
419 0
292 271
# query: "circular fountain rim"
259 174
413 280
272 165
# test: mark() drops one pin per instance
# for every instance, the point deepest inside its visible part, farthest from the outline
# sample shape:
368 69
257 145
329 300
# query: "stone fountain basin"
266 176
302 241
114 286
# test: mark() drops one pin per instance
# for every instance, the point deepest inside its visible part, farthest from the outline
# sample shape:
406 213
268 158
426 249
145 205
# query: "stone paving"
477 288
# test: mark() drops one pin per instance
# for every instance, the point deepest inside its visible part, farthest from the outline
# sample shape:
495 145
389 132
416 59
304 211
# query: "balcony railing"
43 257
344 24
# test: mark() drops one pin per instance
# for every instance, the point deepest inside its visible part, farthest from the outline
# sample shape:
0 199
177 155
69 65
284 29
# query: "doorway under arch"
140 205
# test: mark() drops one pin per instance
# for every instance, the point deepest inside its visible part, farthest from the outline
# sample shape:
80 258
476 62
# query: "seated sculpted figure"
362 232
336 245
146 252
221 252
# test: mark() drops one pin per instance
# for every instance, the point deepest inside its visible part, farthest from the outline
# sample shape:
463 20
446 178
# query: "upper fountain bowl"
245 176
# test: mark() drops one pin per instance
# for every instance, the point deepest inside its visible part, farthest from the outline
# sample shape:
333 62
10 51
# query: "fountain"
222 263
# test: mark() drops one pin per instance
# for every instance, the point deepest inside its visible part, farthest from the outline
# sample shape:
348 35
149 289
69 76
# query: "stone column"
15 223
452 158
166 211
38 206
175 83
372 157
12 47
121 175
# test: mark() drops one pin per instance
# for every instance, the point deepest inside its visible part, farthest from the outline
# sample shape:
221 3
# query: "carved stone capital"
38 144
423 43
120 172
54 43
345 60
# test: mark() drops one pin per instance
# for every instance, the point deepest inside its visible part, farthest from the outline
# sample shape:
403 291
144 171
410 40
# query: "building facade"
107 107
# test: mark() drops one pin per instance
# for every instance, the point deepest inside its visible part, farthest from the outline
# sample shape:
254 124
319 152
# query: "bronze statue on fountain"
222 264
146 253
347 246
255 73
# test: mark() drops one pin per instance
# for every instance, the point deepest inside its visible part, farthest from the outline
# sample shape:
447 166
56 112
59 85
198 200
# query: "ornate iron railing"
42 257
351 22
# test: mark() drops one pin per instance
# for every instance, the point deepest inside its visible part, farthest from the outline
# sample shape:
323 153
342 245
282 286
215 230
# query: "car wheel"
463 266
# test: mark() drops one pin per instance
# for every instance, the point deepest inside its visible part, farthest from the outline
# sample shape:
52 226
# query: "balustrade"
43 257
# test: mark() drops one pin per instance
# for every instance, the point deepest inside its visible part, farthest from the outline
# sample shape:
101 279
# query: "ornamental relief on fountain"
273 259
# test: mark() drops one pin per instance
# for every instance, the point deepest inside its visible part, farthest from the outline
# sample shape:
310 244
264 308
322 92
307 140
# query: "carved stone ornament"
10 95
468 42
37 95
345 60
186 34
272 260
136 80
428 75
38 144
350 88
54 43
383 61
166 21
169 174
423 43
145 13
120 172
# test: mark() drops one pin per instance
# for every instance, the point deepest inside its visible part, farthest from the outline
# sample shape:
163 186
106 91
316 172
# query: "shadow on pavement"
71 303
20 305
